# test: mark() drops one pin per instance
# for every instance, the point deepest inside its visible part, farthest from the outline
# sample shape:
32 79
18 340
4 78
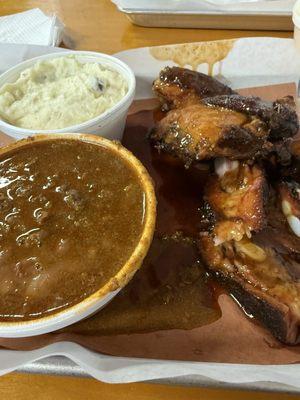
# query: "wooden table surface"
97 25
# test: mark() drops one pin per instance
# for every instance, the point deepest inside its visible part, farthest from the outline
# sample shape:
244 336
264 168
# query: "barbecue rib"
252 248
260 281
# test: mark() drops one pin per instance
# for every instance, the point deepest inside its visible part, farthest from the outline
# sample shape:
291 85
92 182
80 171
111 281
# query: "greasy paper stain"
195 54
170 291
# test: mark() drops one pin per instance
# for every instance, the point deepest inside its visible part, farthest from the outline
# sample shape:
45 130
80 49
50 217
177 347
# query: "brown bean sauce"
71 213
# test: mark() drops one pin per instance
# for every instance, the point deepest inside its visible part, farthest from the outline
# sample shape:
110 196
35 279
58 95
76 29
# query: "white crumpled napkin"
31 27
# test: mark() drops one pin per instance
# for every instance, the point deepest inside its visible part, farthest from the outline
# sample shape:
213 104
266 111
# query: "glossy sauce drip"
195 54
171 290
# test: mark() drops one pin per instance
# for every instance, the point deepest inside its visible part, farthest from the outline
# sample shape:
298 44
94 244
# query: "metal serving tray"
209 19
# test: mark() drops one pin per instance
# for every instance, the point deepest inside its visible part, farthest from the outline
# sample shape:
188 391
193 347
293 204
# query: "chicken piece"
201 126
239 195
199 132
177 87
280 116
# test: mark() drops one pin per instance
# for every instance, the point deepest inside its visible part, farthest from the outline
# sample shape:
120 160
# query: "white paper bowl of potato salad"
68 91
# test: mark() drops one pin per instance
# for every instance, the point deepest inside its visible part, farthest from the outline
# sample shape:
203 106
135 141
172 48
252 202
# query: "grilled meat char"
280 116
250 236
